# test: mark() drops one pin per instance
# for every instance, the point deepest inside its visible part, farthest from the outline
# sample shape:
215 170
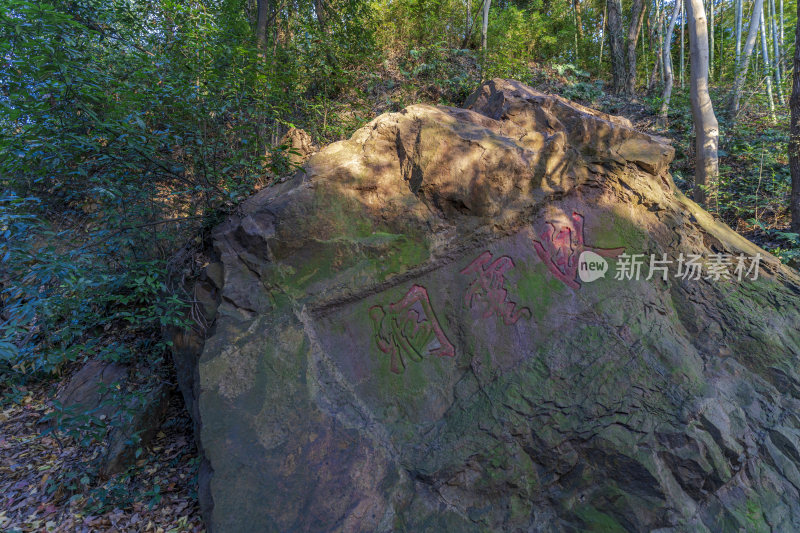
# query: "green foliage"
328 56
443 68
408 24
785 245
755 181
519 33
520 36
64 301
570 71
126 127
584 91
579 87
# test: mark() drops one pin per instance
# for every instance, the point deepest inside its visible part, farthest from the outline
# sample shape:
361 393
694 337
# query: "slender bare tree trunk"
663 29
575 38
781 49
757 66
721 49
576 4
637 17
603 32
794 132
485 24
738 29
467 24
669 79
776 54
618 74
706 127
683 19
642 40
744 62
711 41
262 11
782 40
767 66
658 28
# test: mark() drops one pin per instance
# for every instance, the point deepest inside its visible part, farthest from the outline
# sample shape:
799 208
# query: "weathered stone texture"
398 340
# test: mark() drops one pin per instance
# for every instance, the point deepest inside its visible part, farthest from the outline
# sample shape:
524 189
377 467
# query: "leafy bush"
125 129
582 90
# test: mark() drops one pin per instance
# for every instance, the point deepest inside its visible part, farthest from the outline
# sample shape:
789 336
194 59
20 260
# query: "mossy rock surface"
402 339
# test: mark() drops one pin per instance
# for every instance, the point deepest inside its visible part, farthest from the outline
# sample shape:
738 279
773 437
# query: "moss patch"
536 289
614 230
365 251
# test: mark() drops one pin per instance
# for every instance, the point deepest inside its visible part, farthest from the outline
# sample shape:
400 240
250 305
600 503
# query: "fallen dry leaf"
34 491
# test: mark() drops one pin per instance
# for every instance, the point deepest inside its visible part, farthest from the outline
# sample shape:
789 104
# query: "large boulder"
408 336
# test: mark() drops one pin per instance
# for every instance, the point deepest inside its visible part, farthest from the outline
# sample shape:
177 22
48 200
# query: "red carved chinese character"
488 288
408 329
561 246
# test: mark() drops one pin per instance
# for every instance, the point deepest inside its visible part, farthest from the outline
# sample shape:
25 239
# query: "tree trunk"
615 47
663 30
738 30
711 42
757 66
659 50
767 65
603 33
485 24
637 17
781 49
319 9
782 41
643 50
794 132
669 79
744 62
262 11
776 55
576 4
683 53
467 24
575 38
705 122
723 56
